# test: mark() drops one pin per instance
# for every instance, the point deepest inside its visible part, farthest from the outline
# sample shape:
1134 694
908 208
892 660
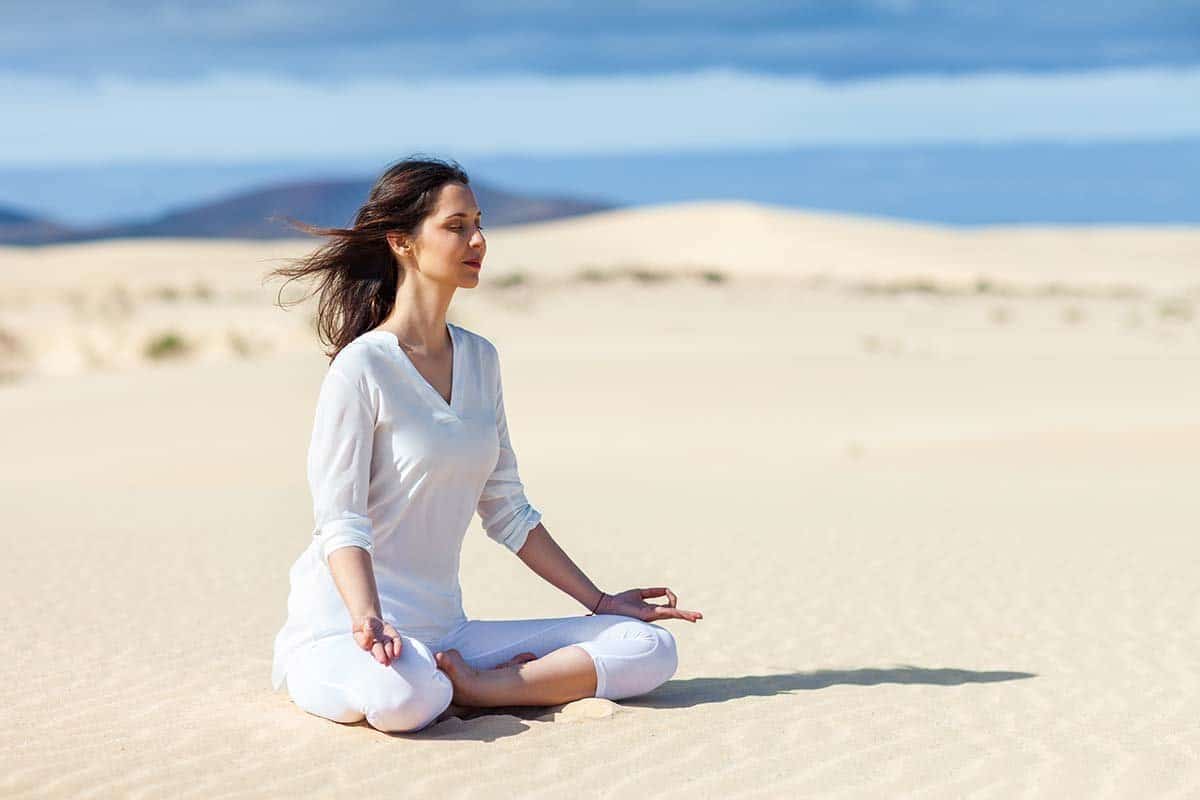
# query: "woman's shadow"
698 691
488 724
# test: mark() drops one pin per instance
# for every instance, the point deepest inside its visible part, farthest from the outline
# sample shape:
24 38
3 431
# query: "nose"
477 239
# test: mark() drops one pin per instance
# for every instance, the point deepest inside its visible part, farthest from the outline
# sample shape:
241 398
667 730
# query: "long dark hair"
356 272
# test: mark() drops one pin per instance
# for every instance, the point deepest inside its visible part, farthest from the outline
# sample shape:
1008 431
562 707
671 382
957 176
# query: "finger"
368 633
675 613
377 651
659 591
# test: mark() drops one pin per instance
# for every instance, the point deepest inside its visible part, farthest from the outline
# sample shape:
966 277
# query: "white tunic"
397 470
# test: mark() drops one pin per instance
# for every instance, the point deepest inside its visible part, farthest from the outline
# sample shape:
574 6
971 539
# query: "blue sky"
351 40
103 83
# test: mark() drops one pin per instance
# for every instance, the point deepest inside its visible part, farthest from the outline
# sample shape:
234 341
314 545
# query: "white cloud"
236 116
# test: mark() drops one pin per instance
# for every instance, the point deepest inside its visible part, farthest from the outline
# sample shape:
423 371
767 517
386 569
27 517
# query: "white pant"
336 679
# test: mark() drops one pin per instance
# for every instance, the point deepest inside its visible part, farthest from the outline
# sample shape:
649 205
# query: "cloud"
231 116
312 40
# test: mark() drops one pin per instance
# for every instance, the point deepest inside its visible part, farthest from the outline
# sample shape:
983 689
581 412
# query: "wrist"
597 603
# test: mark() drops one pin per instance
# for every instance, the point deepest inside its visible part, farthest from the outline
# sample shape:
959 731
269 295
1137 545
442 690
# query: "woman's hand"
378 638
629 603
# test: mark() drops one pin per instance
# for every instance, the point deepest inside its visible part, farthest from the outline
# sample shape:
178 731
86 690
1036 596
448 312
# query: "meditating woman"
410 440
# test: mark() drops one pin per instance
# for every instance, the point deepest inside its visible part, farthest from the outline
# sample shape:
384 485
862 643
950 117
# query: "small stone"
589 708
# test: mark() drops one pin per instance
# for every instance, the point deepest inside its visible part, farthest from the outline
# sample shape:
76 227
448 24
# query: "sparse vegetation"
713 276
1177 309
166 345
594 275
240 345
202 291
168 294
907 286
117 302
1073 315
644 275
511 280
1000 315
14 359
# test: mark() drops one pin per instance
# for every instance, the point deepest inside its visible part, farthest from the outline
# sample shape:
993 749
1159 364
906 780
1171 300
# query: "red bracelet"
593 611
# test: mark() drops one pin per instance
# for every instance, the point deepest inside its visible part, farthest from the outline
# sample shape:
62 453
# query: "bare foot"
464 678
467 680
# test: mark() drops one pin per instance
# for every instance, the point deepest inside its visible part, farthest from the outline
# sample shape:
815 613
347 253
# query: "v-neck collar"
448 411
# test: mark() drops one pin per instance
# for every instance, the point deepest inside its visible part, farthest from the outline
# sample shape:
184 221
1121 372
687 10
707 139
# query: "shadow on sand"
488 724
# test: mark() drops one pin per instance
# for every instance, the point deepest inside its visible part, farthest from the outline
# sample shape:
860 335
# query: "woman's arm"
354 576
543 555
339 474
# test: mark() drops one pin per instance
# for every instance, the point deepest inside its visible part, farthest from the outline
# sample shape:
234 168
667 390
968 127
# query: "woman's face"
449 246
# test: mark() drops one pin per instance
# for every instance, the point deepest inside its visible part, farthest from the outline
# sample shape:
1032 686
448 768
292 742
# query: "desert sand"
934 491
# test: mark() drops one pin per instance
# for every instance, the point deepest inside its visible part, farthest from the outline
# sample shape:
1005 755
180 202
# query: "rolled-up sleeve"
339 465
506 514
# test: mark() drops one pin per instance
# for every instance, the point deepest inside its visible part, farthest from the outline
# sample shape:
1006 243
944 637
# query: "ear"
398 242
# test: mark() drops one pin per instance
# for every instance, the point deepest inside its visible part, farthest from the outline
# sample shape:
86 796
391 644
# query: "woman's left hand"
630 604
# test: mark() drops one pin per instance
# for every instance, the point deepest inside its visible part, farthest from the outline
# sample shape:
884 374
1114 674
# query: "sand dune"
944 540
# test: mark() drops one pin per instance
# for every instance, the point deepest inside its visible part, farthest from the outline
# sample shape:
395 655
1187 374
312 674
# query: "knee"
411 711
666 654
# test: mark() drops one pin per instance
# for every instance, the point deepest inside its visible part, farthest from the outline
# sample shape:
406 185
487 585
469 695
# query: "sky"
136 82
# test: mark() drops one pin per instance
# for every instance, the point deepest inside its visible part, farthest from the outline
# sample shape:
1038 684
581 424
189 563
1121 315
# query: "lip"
475 264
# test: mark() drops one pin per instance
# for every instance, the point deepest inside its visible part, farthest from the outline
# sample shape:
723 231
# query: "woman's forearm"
354 575
543 555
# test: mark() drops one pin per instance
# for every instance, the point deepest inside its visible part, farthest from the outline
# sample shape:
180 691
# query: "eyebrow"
462 214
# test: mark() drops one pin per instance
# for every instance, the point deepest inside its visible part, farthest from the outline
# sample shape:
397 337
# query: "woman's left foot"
468 682
464 678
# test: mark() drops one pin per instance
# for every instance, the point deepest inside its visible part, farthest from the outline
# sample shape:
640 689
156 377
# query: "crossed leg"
605 655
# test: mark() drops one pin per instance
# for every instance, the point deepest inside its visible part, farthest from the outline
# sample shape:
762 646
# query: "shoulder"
480 343
363 359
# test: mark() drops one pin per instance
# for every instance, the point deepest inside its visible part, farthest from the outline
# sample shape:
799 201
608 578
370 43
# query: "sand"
939 514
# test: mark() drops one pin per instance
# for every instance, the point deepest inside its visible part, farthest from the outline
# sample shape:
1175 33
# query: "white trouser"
336 679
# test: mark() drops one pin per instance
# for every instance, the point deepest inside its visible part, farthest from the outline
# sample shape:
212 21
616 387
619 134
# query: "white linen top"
395 469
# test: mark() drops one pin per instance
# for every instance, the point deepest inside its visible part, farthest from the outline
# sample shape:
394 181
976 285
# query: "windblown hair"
356 272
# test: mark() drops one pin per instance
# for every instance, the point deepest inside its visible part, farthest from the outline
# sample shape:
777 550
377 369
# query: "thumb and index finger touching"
668 610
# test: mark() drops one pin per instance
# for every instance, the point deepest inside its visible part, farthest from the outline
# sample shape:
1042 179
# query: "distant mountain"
248 215
19 226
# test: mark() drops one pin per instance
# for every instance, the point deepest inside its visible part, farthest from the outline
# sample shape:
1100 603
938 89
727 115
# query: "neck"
418 317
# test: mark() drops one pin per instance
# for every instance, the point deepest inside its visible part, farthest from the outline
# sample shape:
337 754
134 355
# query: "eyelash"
459 227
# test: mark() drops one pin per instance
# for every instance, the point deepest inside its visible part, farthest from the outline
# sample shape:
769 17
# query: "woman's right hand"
378 638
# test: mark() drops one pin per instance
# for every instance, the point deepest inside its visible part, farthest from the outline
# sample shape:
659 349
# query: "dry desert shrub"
511 280
202 291
14 356
1176 309
638 273
167 344
647 275
593 275
1073 315
239 344
898 286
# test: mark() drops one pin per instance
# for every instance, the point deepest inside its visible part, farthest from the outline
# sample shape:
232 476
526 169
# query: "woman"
409 441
